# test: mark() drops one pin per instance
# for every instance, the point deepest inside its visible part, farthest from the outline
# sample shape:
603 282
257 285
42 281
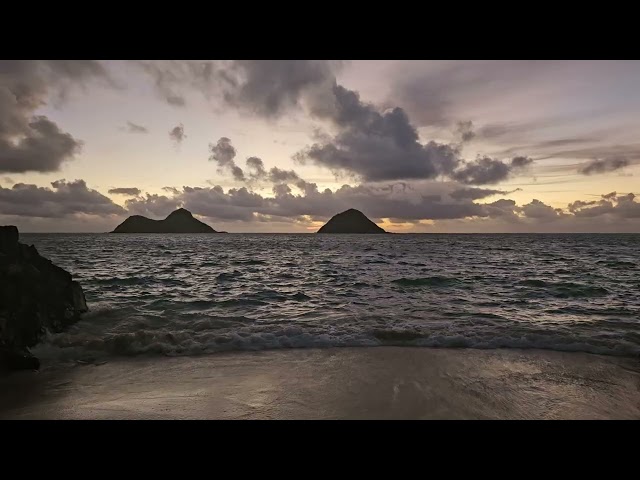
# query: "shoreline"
333 383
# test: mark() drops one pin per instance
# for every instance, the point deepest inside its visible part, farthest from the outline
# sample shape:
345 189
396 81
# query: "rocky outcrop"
180 221
350 221
36 296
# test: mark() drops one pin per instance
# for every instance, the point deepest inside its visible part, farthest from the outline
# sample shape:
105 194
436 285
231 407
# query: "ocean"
184 295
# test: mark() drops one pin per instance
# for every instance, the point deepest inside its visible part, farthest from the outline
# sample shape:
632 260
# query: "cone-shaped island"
350 221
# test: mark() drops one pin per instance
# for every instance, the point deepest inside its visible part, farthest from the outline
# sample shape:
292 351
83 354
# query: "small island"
350 221
180 221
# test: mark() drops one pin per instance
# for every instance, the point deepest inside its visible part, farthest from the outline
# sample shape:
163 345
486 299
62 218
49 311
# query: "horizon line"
338 234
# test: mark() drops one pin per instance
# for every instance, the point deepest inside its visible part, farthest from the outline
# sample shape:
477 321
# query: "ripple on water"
192 294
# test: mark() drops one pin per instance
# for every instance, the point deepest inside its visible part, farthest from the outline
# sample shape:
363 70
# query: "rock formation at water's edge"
36 297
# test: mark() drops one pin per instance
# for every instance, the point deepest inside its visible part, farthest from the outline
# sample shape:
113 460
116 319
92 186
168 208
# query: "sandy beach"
336 383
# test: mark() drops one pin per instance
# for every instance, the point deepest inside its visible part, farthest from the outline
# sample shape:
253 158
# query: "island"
180 221
350 221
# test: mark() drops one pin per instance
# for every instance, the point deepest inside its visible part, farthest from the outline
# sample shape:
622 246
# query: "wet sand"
336 383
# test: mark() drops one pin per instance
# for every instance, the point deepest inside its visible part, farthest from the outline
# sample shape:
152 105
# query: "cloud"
612 205
132 192
271 87
521 162
477 193
464 131
406 203
173 190
43 148
255 168
486 170
30 142
541 211
223 154
277 175
158 206
605 165
375 146
177 134
382 146
134 128
63 199
168 75
439 202
268 88
370 144
630 152
434 92
379 201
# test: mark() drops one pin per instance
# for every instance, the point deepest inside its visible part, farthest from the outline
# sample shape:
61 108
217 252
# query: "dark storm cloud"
131 191
370 144
483 170
604 166
486 170
35 143
44 148
134 128
264 87
177 134
271 87
375 146
383 146
224 154
63 199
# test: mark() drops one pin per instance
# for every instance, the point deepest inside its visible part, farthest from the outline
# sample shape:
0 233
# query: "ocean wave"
566 289
228 276
248 261
200 339
416 290
427 282
616 264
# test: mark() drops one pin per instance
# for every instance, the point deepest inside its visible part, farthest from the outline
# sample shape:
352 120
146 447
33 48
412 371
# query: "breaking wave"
192 295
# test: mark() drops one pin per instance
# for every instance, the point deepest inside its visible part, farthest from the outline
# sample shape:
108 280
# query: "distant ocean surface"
194 294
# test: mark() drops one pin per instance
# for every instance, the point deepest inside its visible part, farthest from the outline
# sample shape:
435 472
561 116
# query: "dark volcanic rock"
180 221
351 221
36 296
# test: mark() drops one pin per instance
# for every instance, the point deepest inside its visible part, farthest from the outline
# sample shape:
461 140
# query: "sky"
283 145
